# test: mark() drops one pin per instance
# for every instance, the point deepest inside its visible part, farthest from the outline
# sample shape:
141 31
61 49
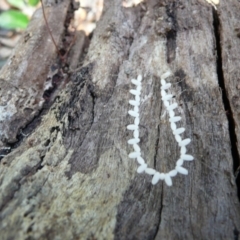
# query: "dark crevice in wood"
171 35
160 215
68 38
226 102
157 141
92 94
236 234
25 132
156 146
56 79
29 128
5 151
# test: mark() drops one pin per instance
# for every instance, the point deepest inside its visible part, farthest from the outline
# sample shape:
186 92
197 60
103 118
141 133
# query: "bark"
71 178
29 71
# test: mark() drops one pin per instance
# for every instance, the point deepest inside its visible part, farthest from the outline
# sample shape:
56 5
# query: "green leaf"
33 2
17 3
13 19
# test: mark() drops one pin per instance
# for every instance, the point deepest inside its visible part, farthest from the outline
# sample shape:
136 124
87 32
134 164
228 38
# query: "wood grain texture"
229 35
24 77
72 178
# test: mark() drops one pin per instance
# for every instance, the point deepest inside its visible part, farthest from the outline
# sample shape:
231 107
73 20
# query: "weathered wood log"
23 78
72 178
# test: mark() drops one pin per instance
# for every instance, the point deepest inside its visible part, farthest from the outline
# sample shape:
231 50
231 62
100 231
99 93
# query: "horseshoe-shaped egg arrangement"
170 105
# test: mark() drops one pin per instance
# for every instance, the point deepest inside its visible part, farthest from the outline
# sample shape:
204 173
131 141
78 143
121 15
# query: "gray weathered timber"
72 178
23 78
229 36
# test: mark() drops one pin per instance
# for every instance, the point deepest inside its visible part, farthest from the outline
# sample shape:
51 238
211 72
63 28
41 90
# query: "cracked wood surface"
72 178
23 78
229 30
